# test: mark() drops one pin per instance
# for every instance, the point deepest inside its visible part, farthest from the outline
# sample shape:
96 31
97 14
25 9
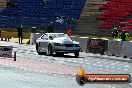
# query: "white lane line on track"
113 87
109 86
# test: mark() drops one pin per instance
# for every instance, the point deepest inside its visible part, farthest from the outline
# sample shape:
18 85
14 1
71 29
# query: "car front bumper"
62 49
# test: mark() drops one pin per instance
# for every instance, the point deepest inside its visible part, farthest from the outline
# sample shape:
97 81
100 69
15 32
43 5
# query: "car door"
44 42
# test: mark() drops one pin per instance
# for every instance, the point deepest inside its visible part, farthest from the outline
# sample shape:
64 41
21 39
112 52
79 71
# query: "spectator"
20 34
50 28
127 35
115 33
124 35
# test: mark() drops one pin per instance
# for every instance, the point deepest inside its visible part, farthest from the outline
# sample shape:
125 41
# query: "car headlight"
76 45
58 44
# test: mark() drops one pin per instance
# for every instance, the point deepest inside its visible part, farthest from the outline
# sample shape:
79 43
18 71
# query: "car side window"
51 38
44 37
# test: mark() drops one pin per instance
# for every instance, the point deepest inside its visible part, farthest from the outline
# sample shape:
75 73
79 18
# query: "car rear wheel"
50 52
76 54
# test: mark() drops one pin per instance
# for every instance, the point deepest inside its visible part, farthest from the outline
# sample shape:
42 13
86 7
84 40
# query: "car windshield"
52 36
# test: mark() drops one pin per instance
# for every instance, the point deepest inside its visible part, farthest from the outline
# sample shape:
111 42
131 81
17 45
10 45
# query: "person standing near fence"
20 34
115 33
50 28
124 35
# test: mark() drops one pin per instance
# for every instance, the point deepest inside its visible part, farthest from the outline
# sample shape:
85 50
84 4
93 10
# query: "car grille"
69 45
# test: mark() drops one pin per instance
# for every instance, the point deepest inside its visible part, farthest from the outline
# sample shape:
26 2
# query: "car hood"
63 40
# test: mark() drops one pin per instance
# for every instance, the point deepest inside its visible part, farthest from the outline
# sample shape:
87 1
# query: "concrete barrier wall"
75 38
34 37
114 47
126 49
105 45
83 44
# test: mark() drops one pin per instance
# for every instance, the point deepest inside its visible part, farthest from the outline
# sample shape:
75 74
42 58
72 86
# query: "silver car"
58 43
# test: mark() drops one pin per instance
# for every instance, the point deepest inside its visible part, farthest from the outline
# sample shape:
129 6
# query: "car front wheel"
59 54
76 54
50 52
36 47
40 53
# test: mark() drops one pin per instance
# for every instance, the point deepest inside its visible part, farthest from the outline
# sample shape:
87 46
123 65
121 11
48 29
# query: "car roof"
53 33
